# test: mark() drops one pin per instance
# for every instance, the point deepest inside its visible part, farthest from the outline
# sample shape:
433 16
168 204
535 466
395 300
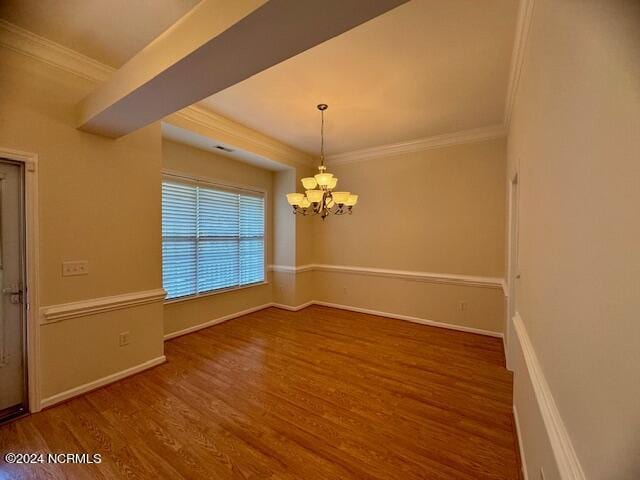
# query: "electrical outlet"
76 267
345 291
462 306
124 339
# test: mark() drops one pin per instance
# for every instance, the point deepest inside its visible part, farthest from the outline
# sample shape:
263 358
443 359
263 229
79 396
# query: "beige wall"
294 237
284 223
305 225
295 245
575 143
423 300
187 160
99 200
439 211
294 289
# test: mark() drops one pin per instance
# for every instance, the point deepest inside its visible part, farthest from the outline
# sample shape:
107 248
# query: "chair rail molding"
291 269
563 451
82 308
447 278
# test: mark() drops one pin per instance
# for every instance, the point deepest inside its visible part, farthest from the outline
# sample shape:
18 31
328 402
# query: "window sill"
214 292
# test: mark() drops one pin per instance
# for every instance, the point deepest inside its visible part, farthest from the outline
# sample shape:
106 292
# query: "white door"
13 398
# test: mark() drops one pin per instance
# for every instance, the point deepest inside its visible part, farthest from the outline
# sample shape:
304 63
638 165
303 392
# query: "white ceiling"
109 31
426 68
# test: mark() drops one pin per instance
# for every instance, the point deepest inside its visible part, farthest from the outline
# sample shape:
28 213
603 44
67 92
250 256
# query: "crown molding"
34 46
22 41
523 27
196 118
27 43
428 143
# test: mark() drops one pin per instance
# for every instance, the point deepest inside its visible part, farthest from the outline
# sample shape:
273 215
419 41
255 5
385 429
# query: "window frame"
206 182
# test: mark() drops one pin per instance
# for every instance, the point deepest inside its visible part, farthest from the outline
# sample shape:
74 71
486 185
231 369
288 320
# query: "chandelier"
320 199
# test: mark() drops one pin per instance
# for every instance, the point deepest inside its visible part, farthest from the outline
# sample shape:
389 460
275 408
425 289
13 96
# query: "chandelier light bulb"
295 198
309 183
340 197
315 196
324 179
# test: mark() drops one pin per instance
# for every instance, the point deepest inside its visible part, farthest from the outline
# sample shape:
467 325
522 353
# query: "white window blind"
212 238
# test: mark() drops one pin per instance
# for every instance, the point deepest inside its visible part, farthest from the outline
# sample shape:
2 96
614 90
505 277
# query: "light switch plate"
76 267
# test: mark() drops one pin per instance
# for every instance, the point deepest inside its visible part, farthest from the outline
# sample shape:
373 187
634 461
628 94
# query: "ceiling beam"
216 45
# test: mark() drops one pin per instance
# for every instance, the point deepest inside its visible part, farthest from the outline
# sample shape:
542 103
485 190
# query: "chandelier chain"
322 138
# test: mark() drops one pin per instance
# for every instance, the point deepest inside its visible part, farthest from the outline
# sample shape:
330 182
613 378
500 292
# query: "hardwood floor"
316 394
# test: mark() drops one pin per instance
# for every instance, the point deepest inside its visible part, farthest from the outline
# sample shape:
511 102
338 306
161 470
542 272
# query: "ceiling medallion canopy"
320 198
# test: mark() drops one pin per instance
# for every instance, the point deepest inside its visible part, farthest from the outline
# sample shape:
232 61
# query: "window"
212 238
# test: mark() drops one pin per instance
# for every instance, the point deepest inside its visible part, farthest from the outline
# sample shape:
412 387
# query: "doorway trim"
512 262
30 161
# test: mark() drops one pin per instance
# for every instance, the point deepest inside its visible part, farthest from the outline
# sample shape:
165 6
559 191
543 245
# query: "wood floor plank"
315 394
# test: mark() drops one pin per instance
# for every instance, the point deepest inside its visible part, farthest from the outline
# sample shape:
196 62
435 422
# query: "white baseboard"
525 474
87 387
293 309
231 316
101 382
297 308
215 321
561 445
422 321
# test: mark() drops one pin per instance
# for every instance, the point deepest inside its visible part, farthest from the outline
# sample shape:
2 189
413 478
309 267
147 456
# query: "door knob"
12 291
15 294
